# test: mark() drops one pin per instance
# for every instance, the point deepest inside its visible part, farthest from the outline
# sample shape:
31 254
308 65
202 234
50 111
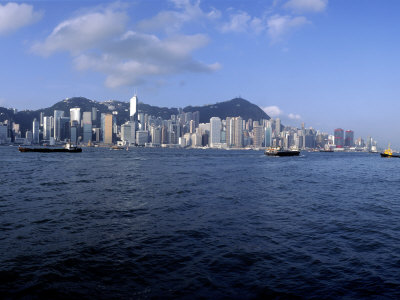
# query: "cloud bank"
14 16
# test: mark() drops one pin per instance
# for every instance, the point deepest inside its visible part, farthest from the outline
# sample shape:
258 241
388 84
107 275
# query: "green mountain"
237 107
232 108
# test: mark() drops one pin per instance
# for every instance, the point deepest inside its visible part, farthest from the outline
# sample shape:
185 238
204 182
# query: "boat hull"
47 150
389 155
283 153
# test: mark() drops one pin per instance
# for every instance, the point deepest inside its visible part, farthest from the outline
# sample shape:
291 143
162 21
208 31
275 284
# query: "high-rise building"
35 131
258 136
4 133
277 127
87 127
65 128
192 126
268 137
164 134
47 126
41 119
108 129
58 114
128 133
155 133
238 137
74 132
349 138
75 115
215 134
142 137
133 108
339 138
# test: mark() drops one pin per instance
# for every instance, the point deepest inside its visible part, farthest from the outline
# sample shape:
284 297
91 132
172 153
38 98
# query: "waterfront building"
35 131
238 132
349 138
339 137
3 133
215 133
268 137
108 128
65 128
155 133
87 127
128 133
47 126
258 136
142 137
28 136
58 114
164 135
74 132
75 115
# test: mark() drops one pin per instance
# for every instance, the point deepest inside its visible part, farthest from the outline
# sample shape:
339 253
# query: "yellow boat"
388 153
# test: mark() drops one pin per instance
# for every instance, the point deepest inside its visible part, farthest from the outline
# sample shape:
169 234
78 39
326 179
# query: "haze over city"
328 64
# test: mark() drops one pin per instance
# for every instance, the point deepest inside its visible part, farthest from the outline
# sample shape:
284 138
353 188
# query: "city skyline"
320 62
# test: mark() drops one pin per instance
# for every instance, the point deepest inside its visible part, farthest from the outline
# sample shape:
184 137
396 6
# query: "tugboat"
281 152
388 153
68 148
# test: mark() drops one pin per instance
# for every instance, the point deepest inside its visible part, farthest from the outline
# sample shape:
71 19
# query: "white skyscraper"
133 108
75 115
215 134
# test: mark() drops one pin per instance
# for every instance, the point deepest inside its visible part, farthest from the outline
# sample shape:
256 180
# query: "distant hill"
232 108
237 107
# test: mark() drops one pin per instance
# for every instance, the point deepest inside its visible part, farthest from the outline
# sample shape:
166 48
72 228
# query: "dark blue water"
164 223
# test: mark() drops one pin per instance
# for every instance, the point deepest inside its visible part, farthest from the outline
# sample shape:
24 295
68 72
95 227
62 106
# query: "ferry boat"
389 153
281 152
68 148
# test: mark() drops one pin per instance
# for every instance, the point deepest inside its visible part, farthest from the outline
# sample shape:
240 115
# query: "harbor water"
169 223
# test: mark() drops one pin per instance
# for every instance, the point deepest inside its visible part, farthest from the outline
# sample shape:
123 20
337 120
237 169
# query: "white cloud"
83 32
14 16
243 22
99 41
273 111
304 6
294 116
279 26
136 56
172 20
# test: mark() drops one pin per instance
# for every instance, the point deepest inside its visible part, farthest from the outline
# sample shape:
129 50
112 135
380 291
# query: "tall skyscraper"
268 137
277 126
258 136
108 129
215 134
349 138
87 127
58 114
339 138
35 130
238 132
47 125
133 108
75 115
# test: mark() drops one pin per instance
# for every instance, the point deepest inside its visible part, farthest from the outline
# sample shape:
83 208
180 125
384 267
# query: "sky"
331 64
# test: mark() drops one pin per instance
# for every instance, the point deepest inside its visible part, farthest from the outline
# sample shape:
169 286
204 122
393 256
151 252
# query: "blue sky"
328 63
